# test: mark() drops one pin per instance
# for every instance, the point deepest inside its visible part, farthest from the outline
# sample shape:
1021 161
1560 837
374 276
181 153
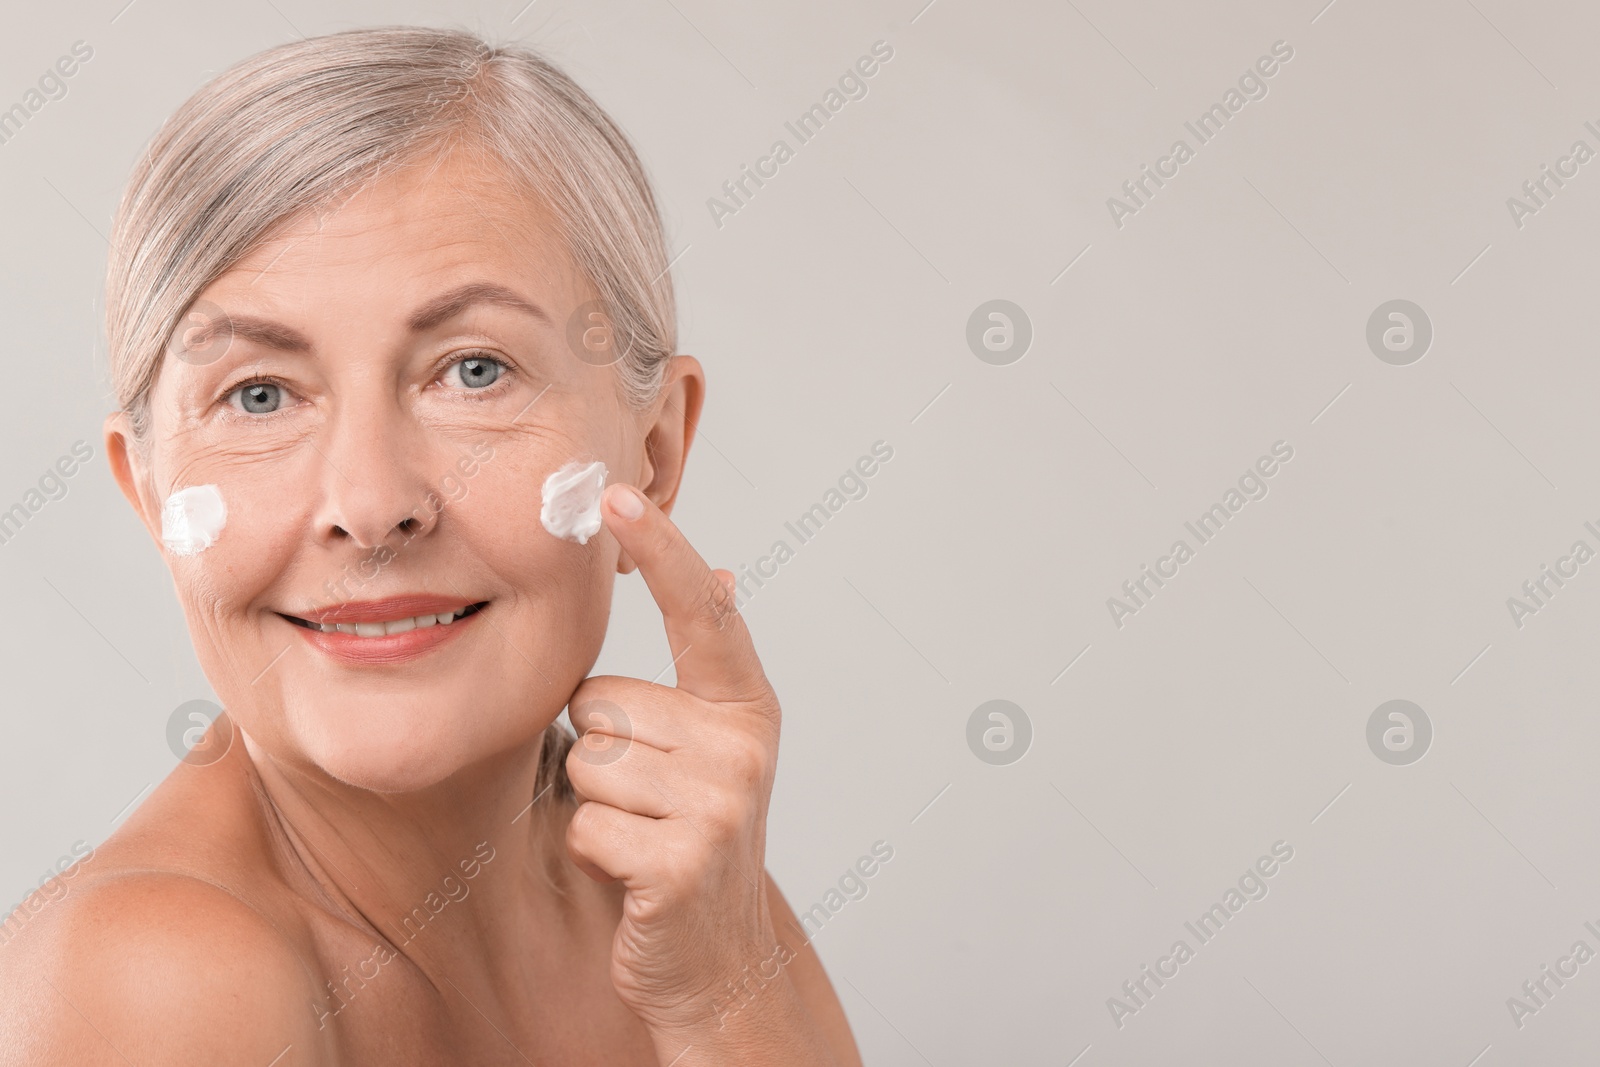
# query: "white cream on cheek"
571 508
192 519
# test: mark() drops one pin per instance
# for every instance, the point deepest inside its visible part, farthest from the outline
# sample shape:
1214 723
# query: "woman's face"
379 436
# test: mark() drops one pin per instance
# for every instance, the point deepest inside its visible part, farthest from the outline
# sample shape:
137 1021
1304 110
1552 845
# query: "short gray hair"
294 128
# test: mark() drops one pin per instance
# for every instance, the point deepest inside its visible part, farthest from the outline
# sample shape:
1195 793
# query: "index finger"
711 646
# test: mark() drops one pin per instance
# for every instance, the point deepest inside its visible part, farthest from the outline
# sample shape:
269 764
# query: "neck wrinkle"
302 859
325 883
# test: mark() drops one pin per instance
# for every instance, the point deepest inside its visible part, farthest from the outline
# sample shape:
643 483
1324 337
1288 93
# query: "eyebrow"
447 305
440 309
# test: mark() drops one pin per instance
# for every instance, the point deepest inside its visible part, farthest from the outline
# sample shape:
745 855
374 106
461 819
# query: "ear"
129 467
668 437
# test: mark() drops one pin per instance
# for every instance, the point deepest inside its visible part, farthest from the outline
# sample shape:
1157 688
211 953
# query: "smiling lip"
424 624
387 609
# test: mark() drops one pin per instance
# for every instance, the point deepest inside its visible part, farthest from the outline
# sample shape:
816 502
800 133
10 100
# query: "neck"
459 878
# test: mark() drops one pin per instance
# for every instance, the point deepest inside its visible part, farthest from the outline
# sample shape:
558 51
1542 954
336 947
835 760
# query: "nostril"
409 525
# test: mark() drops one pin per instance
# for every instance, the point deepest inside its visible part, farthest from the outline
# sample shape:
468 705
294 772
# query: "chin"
401 746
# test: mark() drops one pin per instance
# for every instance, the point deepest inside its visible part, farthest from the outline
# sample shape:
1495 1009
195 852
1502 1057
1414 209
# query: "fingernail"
628 503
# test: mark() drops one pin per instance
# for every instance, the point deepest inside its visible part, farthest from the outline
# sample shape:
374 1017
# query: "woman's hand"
673 785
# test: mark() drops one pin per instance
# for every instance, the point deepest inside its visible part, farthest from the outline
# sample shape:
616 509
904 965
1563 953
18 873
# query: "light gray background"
831 312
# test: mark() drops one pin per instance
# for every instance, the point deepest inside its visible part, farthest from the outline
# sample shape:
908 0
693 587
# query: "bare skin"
350 870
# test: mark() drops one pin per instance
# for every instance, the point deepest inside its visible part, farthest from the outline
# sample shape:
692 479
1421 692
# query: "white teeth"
397 626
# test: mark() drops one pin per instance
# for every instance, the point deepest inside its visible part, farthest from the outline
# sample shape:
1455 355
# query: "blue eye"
476 372
257 398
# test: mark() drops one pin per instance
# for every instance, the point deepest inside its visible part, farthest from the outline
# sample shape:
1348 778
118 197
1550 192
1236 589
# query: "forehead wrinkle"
461 231
469 249
482 197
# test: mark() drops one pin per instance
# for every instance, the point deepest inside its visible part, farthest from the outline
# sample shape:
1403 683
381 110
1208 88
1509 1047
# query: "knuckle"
682 871
605 730
756 759
579 766
599 690
718 604
722 810
594 696
663 543
707 617
580 826
748 760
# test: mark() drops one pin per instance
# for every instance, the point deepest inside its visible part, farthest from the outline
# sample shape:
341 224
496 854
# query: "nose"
375 483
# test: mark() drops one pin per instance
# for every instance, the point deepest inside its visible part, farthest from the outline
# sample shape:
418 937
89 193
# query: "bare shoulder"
150 966
810 980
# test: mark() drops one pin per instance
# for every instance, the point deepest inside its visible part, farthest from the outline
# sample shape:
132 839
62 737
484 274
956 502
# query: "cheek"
547 480
231 529
501 519
506 516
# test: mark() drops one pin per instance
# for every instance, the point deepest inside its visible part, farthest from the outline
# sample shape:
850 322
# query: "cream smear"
572 501
192 519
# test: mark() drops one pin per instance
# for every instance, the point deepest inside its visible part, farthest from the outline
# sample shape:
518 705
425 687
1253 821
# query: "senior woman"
367 293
